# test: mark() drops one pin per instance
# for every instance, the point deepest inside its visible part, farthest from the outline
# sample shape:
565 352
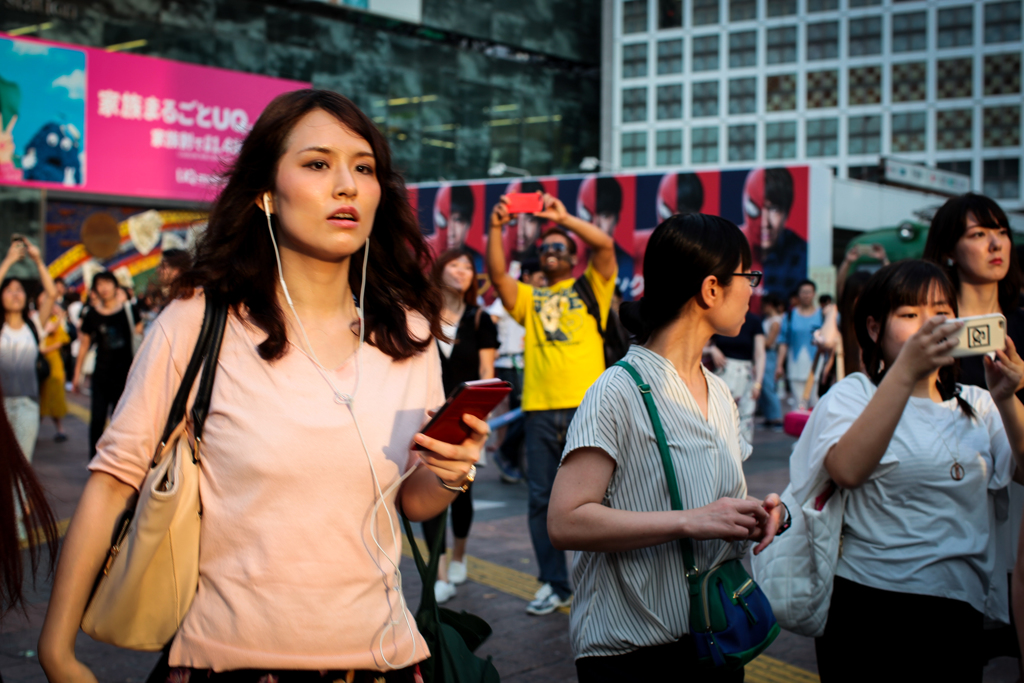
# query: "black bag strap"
206 334
586 293
202 405
690 562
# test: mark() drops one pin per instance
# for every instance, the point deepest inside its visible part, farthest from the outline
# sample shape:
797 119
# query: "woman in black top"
468 356
970 239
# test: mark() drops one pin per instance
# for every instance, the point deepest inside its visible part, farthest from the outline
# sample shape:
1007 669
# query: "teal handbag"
731 620
451 636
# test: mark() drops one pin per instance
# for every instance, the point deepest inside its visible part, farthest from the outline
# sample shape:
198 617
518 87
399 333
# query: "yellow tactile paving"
522 585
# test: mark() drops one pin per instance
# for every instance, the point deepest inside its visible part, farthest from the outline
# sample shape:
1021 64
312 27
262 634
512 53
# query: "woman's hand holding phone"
452 462
1004 375
928 349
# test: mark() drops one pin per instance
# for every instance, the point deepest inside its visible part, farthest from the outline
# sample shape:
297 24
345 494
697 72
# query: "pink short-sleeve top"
290 575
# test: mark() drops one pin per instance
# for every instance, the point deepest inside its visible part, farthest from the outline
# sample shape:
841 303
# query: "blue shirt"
797 333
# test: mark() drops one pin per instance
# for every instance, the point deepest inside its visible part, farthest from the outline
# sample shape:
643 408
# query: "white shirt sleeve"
999 445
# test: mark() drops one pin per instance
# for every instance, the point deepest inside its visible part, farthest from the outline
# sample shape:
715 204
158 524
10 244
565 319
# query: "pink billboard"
110 123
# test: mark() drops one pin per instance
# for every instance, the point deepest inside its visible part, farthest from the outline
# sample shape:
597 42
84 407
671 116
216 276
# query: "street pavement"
502 578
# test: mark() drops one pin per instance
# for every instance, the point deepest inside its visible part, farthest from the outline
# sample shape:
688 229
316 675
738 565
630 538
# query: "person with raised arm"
563 355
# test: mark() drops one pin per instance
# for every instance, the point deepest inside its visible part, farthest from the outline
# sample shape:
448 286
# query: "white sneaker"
443 591
546 601
457 572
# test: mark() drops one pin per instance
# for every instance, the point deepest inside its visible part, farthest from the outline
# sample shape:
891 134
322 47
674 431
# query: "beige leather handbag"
152 571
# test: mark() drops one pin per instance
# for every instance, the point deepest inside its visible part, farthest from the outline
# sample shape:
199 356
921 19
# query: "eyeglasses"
754 276
557 247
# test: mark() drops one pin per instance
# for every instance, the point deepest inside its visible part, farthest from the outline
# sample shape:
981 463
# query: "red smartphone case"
524 202
477 400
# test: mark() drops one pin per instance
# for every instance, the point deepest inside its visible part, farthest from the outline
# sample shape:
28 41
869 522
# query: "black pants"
877 635
106 392
512 446
672 662
163 673
462 519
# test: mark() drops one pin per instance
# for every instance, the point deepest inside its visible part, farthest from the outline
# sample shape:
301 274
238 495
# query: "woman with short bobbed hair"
611 503
315 248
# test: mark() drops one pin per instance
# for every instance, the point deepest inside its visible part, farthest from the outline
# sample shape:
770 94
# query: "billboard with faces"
771 205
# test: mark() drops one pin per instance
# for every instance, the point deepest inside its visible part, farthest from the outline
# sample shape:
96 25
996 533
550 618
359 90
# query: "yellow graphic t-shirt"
564 351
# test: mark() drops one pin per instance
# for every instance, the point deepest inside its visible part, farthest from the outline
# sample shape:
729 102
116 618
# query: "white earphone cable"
349 400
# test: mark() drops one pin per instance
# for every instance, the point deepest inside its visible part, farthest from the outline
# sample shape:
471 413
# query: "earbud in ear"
266 203
949 261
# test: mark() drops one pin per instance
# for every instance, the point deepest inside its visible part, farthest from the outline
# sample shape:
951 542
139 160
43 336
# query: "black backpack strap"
586 293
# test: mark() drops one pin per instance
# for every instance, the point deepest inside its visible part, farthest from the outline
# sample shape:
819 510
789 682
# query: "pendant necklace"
956 470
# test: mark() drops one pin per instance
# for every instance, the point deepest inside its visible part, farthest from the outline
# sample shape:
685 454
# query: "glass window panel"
909 32
743 96
705 12
865 36
705 99
634 60
634 16
669 147
956 26
782 45
865 135
634 104
670 13
742 49
781 92
1001 178
1001 126
1002 22
704 145
823 40
670 56
742 10
908 132
822 137
954 129
781 8
822 5
670 102
705 53
780 140
634 149
743 142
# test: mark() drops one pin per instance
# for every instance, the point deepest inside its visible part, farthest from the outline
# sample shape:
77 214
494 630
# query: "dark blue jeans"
545 439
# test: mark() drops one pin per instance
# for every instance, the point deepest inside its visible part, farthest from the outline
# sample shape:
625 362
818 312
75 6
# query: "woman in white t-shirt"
19 344
920 457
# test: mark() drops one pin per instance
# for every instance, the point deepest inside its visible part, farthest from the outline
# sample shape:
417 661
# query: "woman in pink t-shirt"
309 430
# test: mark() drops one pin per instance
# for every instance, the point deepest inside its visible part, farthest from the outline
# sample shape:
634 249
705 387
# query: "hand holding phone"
980 334
477 398
524 202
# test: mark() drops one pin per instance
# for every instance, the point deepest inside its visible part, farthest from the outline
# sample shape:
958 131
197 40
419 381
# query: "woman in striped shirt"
610 502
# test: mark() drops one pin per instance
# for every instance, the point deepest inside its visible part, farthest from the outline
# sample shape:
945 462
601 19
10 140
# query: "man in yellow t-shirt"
563 355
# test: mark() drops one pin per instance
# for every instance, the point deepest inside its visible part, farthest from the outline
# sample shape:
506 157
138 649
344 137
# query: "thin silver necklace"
956 470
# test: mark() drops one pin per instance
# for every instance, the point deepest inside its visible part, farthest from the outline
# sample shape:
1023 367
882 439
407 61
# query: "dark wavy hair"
682 252
235 257
19 489
950 223
437 273
904 283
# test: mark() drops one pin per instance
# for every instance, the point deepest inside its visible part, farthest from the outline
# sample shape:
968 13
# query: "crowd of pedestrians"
342 332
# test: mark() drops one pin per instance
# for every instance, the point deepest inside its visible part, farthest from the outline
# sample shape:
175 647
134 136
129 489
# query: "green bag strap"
427 571
666 461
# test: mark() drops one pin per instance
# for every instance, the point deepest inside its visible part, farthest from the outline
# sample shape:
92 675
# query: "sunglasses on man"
557 247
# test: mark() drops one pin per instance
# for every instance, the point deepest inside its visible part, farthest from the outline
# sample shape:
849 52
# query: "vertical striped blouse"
639 598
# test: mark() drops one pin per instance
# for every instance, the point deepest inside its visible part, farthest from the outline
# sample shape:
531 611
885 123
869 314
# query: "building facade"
732 83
